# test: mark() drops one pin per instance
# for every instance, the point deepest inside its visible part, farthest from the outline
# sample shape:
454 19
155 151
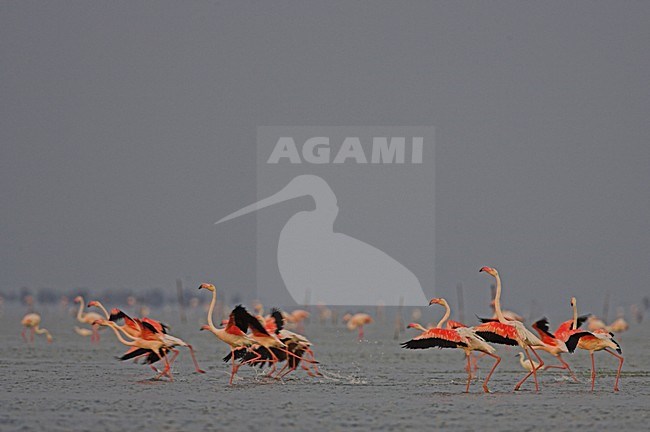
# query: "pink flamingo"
508 332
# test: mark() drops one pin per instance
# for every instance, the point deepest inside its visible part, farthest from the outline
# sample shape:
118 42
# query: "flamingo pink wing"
497 332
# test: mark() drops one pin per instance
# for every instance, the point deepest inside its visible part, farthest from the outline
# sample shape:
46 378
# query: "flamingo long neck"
101 306
211 310
497 301
114 326
445 317
39 330
80 311
575 315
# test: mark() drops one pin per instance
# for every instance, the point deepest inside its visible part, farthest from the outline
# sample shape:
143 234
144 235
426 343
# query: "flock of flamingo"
264 341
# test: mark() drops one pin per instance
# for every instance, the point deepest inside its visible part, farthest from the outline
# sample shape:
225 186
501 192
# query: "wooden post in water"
181 302
399 324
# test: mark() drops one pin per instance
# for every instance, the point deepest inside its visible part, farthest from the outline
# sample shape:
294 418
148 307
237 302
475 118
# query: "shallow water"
74 385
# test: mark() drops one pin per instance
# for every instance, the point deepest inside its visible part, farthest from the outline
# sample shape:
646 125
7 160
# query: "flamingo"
153 343
297 317
619 325
508 332
595 323
88 318
357 320
83 331
592 341
416 326
552 345
148 343
526 364
234 334
97 304
462 337
135 327
269 346
563 331
337 268
32 322
297 345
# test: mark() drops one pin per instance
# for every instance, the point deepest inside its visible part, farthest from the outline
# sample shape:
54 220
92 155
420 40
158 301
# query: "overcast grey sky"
128 127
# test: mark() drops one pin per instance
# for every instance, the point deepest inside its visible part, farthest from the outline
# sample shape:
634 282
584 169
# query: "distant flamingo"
297 317
595 323
510 315
32 321
357 320
462 337
234 334
619 325
83 331
88 318
508 332
592 341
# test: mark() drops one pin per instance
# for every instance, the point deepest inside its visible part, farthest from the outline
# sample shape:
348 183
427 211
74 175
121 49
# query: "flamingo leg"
23 334
288 372
496 363
593 370
233 370
31 337
173 359
196 364
274 361
254 360
279 374
311 355
533 372
469 372
564 365
167 370
474 362
620 366
298 358
361 333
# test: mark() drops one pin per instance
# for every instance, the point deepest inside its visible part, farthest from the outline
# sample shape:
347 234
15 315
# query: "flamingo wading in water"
234 334
32 322
462 337
88 318
357 320
508 332
592 341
